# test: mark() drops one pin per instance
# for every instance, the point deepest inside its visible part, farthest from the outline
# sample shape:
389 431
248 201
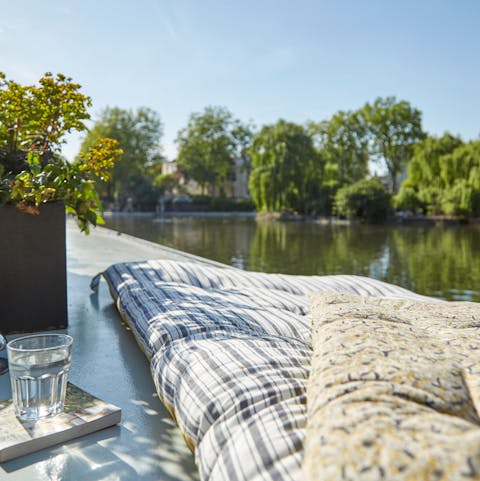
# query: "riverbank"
433 220
167 215
397 219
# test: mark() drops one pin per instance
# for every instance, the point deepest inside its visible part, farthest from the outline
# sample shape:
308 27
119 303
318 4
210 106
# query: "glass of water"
39 368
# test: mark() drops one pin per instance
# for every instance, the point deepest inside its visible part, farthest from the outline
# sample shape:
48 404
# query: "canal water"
443 262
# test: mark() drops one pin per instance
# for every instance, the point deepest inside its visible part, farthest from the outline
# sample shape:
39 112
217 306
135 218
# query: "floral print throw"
394 390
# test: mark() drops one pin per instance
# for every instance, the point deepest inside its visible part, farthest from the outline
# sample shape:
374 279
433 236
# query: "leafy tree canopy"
366 200
444 178
286 169
460 173
425 166
166 183
395 127
138 134
343 141
210 144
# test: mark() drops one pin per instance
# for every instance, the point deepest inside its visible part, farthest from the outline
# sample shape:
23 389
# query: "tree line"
443 178
319 167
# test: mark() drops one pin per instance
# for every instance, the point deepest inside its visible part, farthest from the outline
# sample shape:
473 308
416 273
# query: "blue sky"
264 60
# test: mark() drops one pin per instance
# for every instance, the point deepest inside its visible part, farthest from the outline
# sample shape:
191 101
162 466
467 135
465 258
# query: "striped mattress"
230 357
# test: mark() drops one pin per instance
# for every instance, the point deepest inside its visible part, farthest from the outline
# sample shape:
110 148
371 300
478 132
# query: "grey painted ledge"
108 363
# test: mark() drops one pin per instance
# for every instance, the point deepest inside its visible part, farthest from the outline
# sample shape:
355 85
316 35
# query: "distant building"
236 186
169 168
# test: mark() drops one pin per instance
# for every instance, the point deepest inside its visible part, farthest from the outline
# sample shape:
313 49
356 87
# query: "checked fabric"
230 357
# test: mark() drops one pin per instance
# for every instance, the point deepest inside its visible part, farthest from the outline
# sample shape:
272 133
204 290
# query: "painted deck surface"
108 363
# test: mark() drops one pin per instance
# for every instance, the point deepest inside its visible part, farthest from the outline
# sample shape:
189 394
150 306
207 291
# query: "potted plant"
37 185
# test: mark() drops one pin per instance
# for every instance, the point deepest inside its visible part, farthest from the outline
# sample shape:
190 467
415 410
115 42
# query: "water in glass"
39 375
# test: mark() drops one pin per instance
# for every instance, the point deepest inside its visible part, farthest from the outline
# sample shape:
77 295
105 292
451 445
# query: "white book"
83 414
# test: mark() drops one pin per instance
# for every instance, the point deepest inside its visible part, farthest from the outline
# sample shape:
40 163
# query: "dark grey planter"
33 277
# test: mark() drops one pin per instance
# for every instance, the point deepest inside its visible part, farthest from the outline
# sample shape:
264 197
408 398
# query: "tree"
443 178
423 188
166 183
460 173
286 170
209 145
366 200
343 141
395 127
138 134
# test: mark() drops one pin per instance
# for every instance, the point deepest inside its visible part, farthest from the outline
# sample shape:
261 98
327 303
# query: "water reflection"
441 262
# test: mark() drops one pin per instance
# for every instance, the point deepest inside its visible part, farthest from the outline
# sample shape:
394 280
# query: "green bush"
144 193
34 121
201 199
407 198
222 204
320 199
367 200
244 205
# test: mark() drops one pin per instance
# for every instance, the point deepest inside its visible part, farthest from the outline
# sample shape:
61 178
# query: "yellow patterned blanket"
394 390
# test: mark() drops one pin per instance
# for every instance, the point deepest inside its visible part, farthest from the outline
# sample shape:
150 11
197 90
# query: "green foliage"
224 204
395 128
244 205
383 131
460 173
165 183
366 200
441 261
287 171
34 120
209 145
461 200
343 142
425 174
407 198
443 178
293 247
462 163
138 133
221 204
424 167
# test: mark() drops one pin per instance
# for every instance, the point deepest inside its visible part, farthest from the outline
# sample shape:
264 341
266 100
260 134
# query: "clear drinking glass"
39 368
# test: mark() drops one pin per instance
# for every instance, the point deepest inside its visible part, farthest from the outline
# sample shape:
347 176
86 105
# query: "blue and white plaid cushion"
230 356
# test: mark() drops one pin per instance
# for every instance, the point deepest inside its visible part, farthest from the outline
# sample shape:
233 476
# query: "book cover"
83 414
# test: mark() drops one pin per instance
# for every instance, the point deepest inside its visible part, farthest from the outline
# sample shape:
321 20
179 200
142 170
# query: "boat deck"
108 363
